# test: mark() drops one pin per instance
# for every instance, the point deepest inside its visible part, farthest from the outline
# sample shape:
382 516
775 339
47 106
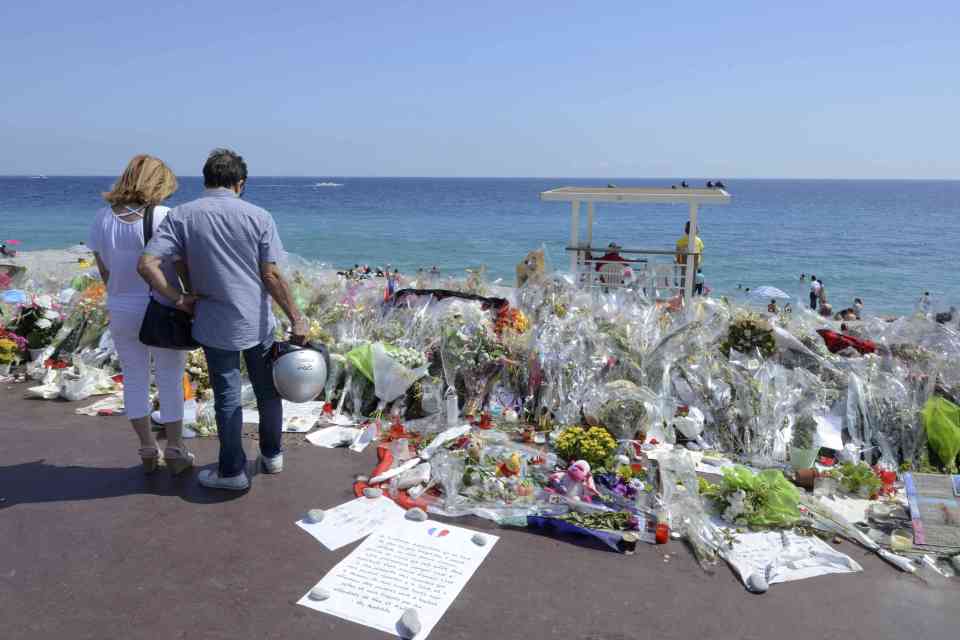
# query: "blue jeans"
224 369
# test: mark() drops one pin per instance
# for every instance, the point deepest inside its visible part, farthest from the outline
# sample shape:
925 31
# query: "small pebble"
416 514
837 539
372 492
757 583
362 479
318 594
479 540
693 446
410 623
315 516
675 535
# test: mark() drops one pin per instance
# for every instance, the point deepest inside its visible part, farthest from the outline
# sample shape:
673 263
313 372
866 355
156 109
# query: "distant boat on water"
38 177
328 184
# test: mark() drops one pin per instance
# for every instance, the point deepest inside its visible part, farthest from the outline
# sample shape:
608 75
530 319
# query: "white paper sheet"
353 520
333 437
423 565
830 431
298 417
787 556
365 436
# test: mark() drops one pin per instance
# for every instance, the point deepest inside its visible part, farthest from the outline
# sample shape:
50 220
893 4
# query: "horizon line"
426 177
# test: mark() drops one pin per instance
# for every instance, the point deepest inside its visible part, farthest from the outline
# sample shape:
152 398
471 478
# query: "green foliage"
803 430
608 520
854 477
767 500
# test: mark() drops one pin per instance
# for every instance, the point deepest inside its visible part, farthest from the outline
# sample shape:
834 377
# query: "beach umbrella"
769 293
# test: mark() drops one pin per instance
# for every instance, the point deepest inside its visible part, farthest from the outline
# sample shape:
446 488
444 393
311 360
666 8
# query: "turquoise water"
885 241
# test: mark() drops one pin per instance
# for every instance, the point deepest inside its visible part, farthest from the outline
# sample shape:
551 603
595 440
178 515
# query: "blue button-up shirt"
223 240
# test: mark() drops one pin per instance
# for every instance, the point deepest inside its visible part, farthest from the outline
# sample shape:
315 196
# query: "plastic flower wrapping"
554 405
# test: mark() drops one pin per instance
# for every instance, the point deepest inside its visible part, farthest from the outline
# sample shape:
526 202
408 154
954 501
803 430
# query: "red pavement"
91 548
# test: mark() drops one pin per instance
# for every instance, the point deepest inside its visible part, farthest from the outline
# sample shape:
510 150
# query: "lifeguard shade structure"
693 198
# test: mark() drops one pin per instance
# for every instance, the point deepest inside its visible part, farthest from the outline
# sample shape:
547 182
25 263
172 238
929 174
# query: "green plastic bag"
361 359
773 500
941 421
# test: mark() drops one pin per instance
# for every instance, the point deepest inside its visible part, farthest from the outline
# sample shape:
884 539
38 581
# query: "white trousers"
135 363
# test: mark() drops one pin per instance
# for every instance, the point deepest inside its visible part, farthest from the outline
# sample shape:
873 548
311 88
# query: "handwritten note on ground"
420 565
353 520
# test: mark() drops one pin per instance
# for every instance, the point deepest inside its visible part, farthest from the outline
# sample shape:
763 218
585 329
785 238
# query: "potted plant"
803 451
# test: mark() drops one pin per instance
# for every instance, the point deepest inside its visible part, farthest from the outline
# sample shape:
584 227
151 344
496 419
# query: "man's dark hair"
686 228
224 168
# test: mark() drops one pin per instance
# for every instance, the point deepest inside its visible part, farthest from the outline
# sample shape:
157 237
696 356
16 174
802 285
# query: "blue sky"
593 89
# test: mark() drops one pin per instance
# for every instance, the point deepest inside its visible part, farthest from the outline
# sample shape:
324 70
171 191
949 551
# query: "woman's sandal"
178 460
150 457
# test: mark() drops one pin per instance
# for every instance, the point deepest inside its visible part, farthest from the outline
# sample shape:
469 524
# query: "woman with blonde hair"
117 240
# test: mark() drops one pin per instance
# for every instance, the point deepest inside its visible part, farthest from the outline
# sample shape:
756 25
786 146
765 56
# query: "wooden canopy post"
574 235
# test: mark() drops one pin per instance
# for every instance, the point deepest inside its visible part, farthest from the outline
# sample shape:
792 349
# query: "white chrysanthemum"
43 323
44 301
50 314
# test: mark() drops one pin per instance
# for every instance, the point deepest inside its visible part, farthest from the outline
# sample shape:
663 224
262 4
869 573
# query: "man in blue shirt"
231 249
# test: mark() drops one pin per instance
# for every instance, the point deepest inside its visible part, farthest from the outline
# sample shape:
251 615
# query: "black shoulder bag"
164 327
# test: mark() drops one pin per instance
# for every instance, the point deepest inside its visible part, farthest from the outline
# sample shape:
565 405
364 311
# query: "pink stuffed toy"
576 482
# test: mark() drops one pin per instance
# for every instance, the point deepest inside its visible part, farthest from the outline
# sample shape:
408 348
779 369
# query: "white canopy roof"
637 194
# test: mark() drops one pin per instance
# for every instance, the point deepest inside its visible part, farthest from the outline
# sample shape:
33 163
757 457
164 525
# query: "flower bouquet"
764 499
748 332
39 323
595 445
8 353
471 350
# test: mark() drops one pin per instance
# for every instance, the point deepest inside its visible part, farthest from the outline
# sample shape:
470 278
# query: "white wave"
328 184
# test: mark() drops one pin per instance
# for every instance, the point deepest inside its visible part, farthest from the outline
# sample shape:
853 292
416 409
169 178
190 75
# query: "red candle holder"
662 534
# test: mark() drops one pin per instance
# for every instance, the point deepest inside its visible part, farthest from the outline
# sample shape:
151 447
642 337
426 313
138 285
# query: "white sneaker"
212 480
272 465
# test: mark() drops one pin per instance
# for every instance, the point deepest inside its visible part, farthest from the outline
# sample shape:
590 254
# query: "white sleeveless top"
119 245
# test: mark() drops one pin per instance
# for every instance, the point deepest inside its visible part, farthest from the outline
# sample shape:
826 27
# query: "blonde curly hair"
145 181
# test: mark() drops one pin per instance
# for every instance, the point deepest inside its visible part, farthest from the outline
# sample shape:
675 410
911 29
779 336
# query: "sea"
885 241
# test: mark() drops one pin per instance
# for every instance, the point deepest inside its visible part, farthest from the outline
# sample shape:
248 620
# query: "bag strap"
147 225
148 234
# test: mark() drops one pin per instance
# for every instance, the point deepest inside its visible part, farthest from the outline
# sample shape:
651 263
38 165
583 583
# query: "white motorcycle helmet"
299 373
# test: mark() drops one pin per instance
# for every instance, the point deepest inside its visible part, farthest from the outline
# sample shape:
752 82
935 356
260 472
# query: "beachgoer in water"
9 253
698 282
924 304
117 239
719 185
803 278
739 286
858 307
814 292
772 307
232 248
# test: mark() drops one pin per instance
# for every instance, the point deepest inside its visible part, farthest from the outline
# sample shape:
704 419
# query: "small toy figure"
576 482
510 467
